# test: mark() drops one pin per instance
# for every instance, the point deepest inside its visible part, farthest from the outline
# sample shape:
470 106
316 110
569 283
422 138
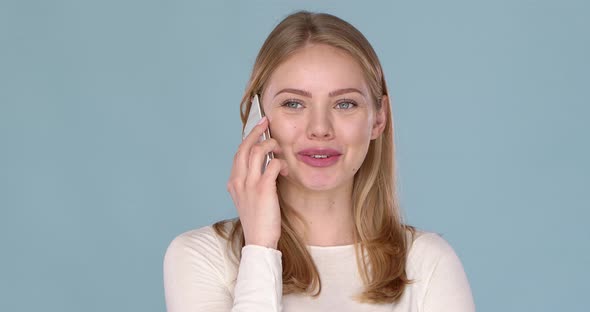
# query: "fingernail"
262 120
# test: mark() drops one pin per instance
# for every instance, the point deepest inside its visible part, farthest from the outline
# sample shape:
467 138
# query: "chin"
317 181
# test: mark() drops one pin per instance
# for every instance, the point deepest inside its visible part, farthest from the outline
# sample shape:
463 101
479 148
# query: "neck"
327 215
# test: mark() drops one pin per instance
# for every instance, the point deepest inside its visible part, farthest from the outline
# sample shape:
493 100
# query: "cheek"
357 132
284 131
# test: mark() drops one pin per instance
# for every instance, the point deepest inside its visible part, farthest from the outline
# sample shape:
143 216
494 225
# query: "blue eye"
346 105
291 104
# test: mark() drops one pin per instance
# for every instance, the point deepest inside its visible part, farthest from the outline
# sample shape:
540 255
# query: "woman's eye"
345 105
292 104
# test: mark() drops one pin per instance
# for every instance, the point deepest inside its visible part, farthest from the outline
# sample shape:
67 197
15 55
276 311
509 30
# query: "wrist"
273 245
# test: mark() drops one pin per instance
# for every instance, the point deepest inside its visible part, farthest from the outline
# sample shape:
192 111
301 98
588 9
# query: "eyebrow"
331 94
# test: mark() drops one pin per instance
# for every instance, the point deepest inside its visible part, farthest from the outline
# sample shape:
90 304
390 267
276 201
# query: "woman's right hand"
255 193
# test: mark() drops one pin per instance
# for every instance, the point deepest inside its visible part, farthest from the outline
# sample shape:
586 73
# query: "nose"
319 126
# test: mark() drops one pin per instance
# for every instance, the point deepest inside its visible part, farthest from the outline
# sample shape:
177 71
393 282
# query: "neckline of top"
327 248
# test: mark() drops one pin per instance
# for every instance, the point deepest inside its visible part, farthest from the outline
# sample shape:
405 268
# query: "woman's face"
322 115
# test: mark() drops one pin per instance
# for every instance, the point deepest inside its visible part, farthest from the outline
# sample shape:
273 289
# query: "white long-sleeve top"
199 275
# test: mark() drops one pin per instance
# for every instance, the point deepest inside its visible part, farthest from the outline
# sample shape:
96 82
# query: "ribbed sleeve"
259 286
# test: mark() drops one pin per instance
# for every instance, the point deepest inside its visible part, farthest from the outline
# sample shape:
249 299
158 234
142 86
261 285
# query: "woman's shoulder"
437 274
198 261
427 250
202 248
431 243
204 239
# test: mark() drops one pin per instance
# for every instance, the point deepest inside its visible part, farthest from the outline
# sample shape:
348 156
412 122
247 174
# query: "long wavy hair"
381 239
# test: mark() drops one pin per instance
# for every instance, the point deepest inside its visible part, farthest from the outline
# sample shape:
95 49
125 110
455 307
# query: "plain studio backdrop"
119 121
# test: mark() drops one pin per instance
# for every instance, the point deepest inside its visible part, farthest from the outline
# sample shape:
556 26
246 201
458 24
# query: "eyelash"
353 103
287 102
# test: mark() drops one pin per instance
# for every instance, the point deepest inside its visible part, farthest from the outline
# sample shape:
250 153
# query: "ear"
380 118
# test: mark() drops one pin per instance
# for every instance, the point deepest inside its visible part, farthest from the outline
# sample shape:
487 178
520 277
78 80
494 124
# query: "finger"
257 157
254 135
284 168
236 179
242 157
272 171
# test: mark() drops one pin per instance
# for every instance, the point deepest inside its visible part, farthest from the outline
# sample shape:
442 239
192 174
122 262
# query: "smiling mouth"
319 160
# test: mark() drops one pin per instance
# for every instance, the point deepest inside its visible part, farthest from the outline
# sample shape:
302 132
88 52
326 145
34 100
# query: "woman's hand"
255 193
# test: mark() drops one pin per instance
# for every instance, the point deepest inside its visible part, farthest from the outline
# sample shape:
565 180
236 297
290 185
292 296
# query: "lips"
319 157
319 151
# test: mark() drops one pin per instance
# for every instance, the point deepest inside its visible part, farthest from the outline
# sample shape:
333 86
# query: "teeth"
319 156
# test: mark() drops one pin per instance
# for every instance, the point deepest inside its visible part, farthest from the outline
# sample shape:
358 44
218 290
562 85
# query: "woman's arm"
195 276
259 286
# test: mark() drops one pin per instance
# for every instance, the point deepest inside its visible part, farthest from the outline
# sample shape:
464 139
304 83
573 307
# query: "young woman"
320 228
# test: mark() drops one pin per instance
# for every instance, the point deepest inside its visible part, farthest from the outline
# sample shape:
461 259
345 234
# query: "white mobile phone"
256 113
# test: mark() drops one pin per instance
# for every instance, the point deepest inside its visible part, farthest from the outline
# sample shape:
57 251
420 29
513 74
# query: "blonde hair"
381 239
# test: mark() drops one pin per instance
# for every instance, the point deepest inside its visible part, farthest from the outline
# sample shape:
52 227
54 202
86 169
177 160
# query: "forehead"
319 69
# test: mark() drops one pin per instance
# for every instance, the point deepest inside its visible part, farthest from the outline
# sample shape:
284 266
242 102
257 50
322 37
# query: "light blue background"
119 121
